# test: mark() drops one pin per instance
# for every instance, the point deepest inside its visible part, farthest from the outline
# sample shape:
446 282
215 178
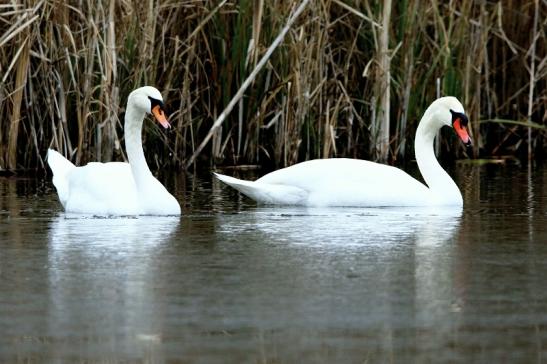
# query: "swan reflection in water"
375 271
102 277
344 227
125 234
123 285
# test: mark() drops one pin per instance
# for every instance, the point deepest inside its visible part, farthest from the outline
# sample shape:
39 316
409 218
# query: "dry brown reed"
351 78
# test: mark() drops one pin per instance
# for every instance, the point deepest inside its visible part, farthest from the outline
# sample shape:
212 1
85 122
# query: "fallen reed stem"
247 82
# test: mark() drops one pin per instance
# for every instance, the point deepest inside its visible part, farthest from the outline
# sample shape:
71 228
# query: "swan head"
449 111
149 100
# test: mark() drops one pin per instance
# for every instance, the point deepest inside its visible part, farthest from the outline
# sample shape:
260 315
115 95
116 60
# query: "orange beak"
462 132
160 116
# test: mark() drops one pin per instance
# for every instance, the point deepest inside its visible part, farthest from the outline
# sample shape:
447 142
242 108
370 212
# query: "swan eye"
459 123
158 110
463 120
155 102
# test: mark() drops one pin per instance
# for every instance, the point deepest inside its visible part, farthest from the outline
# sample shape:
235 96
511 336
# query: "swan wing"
102 189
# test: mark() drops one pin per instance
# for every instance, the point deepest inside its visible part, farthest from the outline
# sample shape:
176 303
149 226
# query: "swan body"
348 182
117 188
353 182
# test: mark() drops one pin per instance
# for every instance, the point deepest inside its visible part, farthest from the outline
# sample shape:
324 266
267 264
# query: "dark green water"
230 282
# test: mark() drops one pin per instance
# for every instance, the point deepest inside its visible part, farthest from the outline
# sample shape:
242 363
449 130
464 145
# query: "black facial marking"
458 115
156 102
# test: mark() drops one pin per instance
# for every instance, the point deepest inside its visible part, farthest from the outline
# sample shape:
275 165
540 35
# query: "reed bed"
351 78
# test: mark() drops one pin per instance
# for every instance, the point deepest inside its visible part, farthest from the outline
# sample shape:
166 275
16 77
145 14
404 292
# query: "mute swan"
352 182
117 188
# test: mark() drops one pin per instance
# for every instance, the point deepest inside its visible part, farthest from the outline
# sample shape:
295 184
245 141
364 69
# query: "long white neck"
133 144
439 182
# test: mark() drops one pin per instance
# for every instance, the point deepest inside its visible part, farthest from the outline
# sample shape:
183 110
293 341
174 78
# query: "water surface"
230 281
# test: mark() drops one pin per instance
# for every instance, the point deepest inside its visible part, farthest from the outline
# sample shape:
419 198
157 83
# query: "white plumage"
117 188
352 182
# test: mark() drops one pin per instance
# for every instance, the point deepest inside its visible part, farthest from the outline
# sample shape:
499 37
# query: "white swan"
352 182
117 188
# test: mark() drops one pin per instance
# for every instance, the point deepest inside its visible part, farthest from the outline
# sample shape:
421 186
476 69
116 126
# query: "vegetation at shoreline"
347 73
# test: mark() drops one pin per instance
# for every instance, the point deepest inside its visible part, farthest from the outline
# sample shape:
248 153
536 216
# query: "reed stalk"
348 78
384 85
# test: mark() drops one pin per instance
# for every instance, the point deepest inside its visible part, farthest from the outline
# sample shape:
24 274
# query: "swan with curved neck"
117 188
353 182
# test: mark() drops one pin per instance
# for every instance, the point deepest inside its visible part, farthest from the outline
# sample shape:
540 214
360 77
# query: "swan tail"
61 167
265 192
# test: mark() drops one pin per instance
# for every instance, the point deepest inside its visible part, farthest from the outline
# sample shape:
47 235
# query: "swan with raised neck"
445 111
354 182
117 188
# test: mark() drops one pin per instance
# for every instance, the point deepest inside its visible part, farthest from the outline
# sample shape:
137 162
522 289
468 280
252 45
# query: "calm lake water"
233 282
